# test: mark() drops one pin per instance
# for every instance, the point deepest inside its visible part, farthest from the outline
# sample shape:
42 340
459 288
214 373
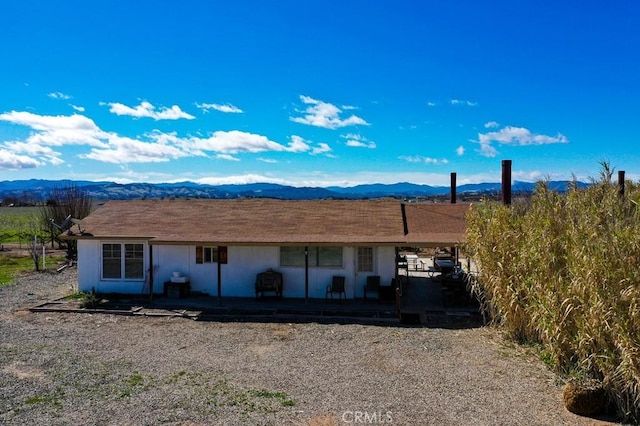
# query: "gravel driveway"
58 368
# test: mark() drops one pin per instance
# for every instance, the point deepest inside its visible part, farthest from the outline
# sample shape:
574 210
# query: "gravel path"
100 369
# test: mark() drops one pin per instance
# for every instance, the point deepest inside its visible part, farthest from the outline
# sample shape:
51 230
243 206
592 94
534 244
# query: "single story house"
218 246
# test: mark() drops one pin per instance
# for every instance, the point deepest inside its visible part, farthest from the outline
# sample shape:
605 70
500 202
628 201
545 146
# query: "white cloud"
226 108
358 141
239 180
58 130
48 132
460 150
298 144
326 115
487 150
130 176
421 159
431 104
436 161
411 159
462 102
358 144
12 161
515 136
491 125
534 175
35 150
322 148
235 141
56 161
127 150
77 108
311 178
520 136
59 95
227 157
146 109
268 160
48 122
350 178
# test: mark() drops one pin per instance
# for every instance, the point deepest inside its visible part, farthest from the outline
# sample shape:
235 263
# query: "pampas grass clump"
561 271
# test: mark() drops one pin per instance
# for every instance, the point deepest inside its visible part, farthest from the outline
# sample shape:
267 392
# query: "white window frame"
207 254
123 261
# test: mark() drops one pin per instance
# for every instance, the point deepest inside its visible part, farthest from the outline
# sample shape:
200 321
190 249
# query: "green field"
12 265
18 224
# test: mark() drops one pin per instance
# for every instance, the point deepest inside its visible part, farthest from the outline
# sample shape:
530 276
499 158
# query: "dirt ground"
66 368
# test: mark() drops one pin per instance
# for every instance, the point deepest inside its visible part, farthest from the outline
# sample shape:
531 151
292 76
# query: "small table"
412 261
176 290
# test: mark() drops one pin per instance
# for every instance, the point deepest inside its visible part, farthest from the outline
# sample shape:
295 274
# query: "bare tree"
62 206
34 252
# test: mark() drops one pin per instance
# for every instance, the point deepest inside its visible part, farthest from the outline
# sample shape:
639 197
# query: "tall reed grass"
563 271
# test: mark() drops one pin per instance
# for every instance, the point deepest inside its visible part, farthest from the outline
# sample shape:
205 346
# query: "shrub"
90 300
561 271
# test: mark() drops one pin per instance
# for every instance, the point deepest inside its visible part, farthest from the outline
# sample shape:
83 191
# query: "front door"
365 266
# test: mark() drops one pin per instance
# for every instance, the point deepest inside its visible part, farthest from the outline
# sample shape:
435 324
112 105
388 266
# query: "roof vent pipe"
404 218
506 182
621 182
453 187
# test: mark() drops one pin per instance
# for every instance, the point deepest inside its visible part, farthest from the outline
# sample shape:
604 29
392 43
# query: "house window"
365 259
122 261
205 254
328 257
111 261
133 261
293 256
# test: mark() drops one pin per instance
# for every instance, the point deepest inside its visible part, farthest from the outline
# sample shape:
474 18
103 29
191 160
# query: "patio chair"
372 285
336 286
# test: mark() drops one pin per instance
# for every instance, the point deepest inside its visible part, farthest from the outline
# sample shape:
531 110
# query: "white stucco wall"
238 275
383 265
90 270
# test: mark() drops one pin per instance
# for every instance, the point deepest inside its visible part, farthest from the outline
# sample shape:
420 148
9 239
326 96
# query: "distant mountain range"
40 190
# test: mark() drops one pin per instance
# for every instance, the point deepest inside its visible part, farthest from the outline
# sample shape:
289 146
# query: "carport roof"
279 222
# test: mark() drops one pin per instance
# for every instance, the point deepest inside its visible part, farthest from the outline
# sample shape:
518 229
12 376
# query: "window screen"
318 256
123 261
111 261
134 261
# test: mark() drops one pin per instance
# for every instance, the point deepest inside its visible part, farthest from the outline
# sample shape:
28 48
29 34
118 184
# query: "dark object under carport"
269 281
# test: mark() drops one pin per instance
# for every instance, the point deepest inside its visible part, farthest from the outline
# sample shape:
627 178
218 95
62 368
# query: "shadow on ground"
421 302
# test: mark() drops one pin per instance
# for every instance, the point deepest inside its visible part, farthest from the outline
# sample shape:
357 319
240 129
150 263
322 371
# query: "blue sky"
318 93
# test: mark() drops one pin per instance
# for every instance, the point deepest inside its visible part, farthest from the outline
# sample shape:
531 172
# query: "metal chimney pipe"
453 187
506 182
621 182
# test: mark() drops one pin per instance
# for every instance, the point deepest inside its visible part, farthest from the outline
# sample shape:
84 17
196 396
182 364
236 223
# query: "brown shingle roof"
436 224
281 222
